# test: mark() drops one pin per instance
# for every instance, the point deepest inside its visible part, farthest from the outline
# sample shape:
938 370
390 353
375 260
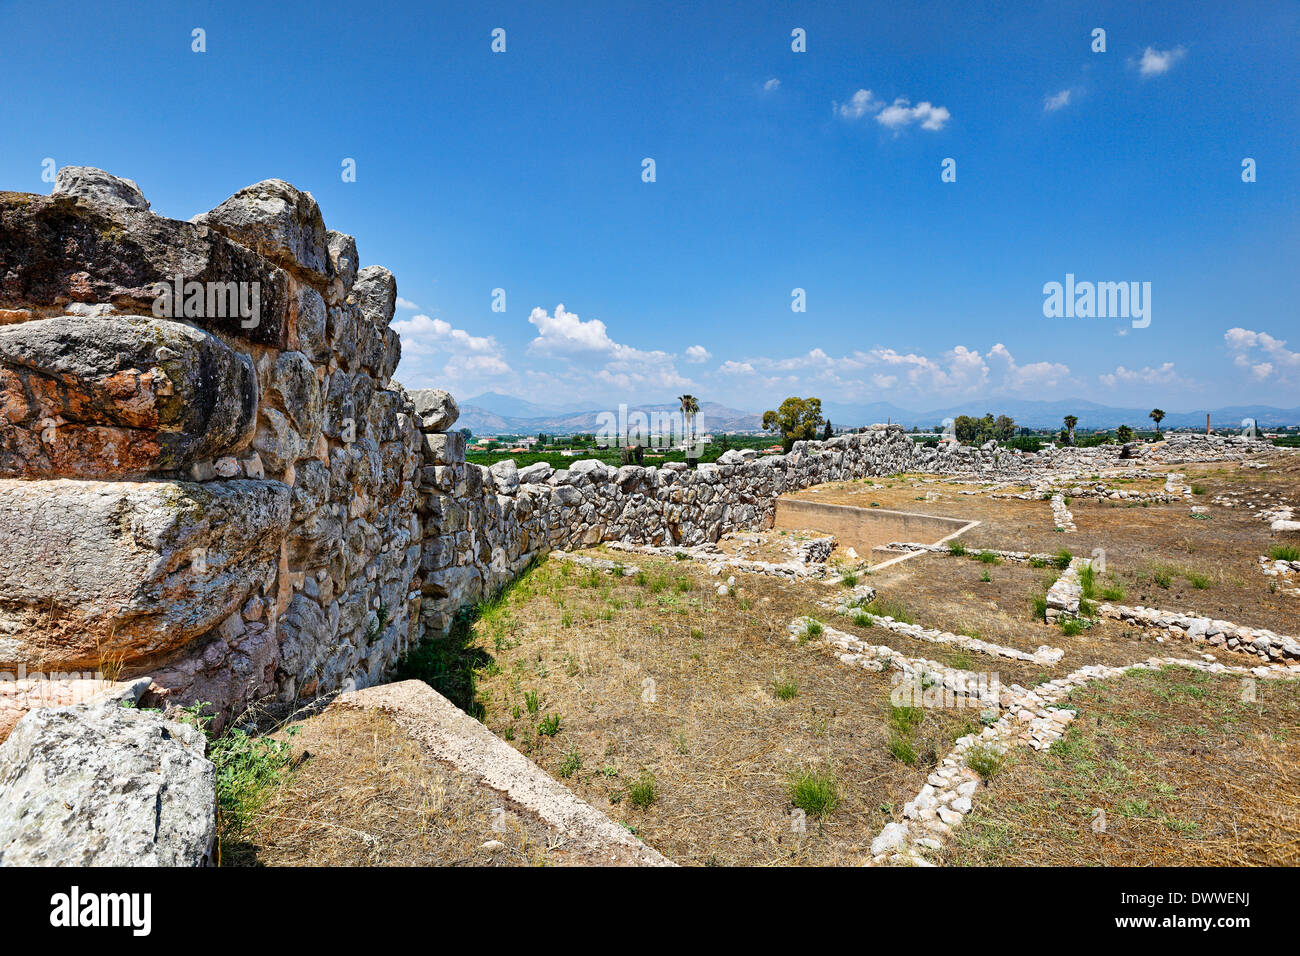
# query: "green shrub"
1039 603
247 767
904 719
786 688
814 792
883 608
902 750
644 791
1284 552
570 765
984 760
549 726
1088 580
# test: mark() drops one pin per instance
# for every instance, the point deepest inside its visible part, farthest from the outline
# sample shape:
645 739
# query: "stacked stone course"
223 502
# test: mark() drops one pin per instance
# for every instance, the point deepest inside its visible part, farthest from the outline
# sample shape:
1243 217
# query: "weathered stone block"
444 448
56 250
100 784
98 186
116 397
281 222
98 572
375 293
436 408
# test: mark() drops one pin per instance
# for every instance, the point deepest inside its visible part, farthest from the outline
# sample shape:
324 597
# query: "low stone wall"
992 463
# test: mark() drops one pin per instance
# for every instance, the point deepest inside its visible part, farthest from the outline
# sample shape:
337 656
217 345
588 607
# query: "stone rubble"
1284 571
1064 596
1209 631
850 606
807 558
1061 514
1030 719
1019 557
878 657
597 564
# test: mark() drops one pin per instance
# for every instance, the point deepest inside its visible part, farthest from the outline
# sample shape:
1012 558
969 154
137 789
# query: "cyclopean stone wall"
231 496
995 463
484 525
224 500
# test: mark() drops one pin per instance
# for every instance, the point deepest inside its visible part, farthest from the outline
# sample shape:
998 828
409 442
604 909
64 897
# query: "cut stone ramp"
452 736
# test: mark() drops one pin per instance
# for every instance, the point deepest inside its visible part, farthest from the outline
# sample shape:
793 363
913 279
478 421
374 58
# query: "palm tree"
690 406
1156 415
1070 422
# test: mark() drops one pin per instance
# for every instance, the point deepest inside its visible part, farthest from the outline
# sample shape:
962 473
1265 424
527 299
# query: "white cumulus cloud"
1160 375
897 115
1261 353
1057 100
1156 62
900 113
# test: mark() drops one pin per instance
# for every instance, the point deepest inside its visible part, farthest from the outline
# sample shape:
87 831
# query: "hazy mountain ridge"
495 414
712 417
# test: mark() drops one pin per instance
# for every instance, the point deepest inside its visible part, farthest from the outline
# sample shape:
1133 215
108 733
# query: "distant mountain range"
1041 414
495 414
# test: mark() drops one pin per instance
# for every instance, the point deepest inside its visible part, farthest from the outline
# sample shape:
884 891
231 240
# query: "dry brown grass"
656 678
946 592
1158 553
652 676
1186 772
365 795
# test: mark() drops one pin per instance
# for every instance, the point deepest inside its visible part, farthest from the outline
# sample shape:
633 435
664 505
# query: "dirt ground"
1183 772
658 678
363 794
1159 554
690 716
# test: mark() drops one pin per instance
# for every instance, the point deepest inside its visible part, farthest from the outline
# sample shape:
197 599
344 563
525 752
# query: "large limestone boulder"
105 784
437 408
63 249
343 256
278 220
107 397
99 186
97 572
375 294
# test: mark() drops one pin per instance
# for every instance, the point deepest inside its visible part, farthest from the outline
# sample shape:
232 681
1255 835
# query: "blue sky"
522 171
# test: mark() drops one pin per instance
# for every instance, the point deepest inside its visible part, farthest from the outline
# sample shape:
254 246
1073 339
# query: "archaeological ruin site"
226 528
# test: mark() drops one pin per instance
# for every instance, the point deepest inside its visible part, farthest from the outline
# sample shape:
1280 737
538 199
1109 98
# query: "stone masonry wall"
225 502
484 525
242 504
